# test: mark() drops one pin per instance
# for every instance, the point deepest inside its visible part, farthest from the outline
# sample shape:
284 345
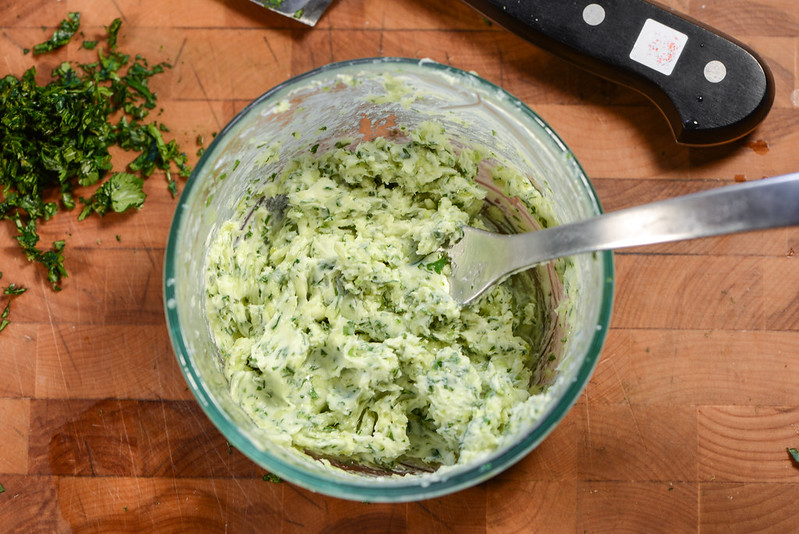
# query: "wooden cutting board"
683 427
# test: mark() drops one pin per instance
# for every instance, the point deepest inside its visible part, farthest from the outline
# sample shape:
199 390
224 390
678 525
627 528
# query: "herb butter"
334 334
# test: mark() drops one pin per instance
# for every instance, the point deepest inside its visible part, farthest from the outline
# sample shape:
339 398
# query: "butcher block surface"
684 427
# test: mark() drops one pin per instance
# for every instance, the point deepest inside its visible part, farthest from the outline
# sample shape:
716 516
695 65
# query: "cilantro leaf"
11 290
61 36
14 290
119 193
113 33
4 316
53 261
437 265
794 454
126 191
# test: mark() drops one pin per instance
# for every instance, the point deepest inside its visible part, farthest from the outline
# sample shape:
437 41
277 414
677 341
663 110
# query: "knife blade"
306 11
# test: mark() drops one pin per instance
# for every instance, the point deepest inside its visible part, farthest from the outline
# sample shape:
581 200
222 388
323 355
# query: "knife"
306 11
711 88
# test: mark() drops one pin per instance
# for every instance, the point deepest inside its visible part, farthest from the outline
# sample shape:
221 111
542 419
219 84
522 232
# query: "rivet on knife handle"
711 88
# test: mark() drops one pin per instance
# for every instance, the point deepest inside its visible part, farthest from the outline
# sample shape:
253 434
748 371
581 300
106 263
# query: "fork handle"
758 205
711 88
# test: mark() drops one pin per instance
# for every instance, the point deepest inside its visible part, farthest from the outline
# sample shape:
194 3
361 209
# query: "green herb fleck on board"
61 36
113 33
794 455
2 489
119 193
14 290
271 477
11 291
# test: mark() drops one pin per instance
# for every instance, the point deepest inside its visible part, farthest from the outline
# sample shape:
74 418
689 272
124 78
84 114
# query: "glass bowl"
360 99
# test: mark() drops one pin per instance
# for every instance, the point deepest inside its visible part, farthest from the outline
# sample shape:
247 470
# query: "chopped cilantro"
794 454
14 290
113 33
11 290
271 477
61 36
2 489
437 265
56 137
119 193
4 316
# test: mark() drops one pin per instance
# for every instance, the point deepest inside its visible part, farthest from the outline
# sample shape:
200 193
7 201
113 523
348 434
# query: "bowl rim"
389 489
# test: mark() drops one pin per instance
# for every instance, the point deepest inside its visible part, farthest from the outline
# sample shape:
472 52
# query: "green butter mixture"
340 340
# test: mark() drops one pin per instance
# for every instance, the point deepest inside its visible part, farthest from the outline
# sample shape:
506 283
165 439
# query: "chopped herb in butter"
335 330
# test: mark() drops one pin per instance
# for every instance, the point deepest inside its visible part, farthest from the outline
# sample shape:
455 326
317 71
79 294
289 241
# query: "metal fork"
482 259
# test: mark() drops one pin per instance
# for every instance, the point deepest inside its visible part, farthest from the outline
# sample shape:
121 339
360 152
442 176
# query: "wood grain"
740 508
683 427
150 373
636 507
101 504
697 367
133 438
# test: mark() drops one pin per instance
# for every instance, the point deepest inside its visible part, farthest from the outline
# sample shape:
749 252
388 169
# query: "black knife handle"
711 88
